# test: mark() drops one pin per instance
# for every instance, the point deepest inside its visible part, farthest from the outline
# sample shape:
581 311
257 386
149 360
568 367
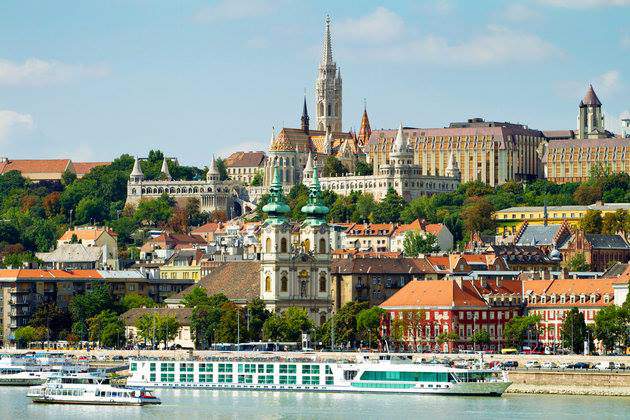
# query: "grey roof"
72 253
121 274
616 270
538 235
606 241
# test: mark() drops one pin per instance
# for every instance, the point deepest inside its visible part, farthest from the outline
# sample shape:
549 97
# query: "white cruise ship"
383 374
87 388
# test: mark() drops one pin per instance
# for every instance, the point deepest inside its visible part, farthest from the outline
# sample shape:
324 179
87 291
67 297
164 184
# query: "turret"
452 169
136 173
315 209
213 171
164 170
308 169
305 119
276 208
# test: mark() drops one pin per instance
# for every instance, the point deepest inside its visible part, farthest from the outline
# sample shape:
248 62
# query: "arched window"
322 246
307 245
322 284
284 284
283 245
322 319
267 284
268 246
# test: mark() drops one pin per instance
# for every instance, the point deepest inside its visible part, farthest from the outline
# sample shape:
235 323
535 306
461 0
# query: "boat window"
405 376
350 374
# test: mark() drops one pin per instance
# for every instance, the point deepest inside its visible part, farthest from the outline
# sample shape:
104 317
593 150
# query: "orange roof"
35 166
50 274
209 227
82 168
419 294
417 225
439 263
85 234
568 287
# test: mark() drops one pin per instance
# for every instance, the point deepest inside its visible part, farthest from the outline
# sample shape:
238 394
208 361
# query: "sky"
91 80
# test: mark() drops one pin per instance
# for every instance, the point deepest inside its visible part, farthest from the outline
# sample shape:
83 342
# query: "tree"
51 317
368 324
333 167
102 326
196 297
157 328
178 222
519 328
477 215
154 211
592 221
87 305
577 263
344 322
611 326
134 300
364 208
388 210
228 328
168 328
587 194
257 180
413 321
256 315
573 331
25 335
362 168
287 326
416 243
481 337
90 210
203 323
223 175
448 337
68 177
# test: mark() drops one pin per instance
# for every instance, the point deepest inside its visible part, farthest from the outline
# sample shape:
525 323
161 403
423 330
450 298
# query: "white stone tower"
590 117
328 88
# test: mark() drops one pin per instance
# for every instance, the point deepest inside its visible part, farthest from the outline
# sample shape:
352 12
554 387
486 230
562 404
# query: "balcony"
360 286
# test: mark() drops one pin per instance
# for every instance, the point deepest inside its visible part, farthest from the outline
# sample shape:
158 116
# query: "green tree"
416 243
168 328
154 212
196 297
577 263
611 326
91 210
287 326
448 337
364 208
477 215
25 335
480 337
257 180
389 208
203 323
592 221
573 331
223 175
87 305
68 177
257 314
362 168
368 324
134 300
519 328
333 167
344 323
51 317
101 327
228 327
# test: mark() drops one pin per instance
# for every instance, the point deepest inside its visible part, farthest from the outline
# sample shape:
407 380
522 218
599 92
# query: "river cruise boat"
383 374
88 388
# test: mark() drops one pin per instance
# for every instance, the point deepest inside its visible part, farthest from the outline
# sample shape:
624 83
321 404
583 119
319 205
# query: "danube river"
193 404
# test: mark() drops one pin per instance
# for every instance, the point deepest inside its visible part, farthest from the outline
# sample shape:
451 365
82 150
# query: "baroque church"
296 273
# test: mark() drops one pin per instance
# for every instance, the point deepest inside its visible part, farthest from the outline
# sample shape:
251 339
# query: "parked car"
605 366
549 365
620 366
532 364
510 364
581 365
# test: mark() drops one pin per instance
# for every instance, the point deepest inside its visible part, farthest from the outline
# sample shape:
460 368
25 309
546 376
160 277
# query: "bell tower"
328 88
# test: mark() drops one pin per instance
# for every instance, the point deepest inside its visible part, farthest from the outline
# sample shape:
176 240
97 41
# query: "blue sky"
93 79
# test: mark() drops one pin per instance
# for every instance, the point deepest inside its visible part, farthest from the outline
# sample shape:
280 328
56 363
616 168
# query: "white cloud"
12 122
35 72
517 12
234 10
609 82
382 25
585 4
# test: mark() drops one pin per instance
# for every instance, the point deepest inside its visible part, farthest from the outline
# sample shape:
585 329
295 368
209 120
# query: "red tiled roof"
430 293
380 266
86 234
245 159
569 287
50 274
209 227
35 166
82 168
416 225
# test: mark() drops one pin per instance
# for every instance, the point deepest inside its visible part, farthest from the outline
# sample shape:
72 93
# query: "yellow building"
509 219
491 152
184 265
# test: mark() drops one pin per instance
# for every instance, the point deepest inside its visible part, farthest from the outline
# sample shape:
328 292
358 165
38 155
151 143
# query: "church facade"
296 274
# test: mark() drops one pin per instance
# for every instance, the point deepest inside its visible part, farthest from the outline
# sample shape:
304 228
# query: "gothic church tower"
328 88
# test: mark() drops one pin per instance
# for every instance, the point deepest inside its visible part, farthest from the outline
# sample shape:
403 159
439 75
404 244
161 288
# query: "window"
167 377
322 284
246 368
245 379
307 245
225 378
310 369
310 380
267 284
167 367
185 377
268 246
283 245
206 378
406 376
205 367
322 246
288 369
288 380
284 284
186 367
225 367
134 367
265 379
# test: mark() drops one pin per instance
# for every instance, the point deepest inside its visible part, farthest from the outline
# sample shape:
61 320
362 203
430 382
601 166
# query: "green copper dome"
276 207
315 209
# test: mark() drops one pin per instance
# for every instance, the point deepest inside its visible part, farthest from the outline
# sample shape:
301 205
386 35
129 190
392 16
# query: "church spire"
276 207
213 171
452 169
305 119
365 130
327 56
136 173
315 209
164 170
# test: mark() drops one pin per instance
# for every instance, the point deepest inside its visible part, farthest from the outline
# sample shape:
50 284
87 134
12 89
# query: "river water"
194 404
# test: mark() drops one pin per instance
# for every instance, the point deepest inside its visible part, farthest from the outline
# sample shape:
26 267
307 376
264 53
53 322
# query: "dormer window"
593 297
582 299
606 298
572 299
543 299
563 298
553 298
